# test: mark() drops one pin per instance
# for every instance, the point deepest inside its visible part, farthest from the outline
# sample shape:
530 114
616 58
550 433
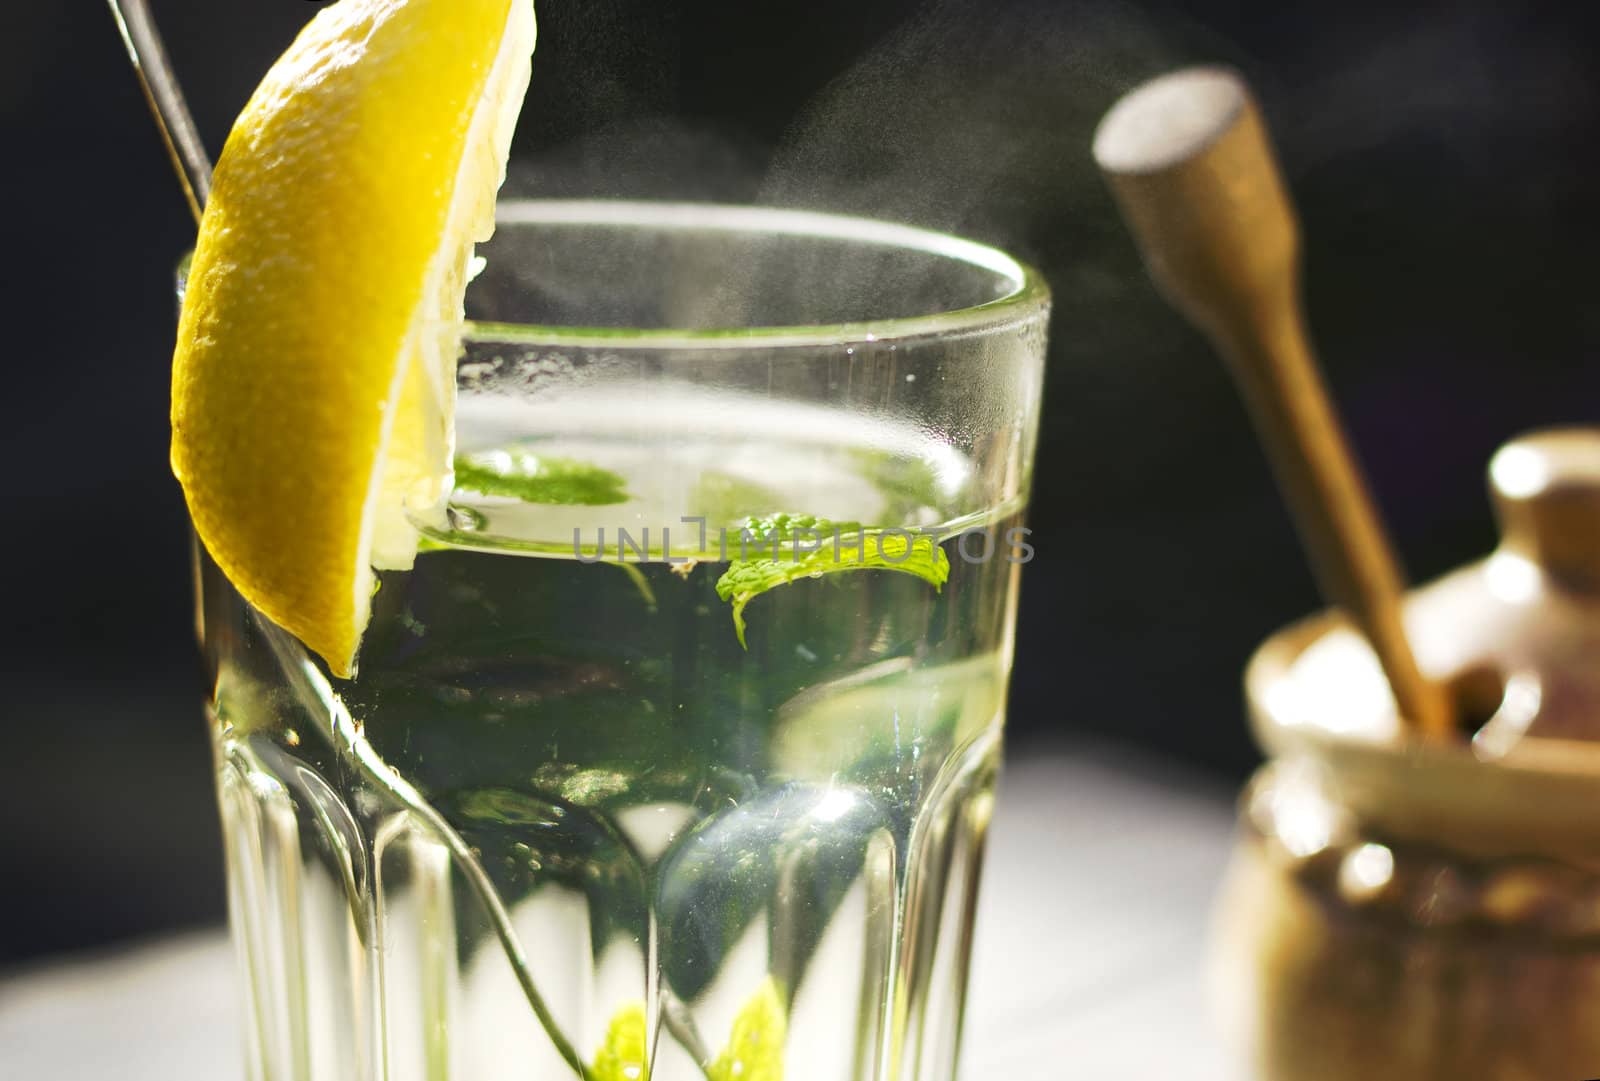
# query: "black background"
1440 153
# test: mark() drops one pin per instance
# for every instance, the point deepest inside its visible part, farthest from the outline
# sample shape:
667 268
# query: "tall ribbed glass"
673 754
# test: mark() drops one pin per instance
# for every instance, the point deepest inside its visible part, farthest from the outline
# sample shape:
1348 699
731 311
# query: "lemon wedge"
314 379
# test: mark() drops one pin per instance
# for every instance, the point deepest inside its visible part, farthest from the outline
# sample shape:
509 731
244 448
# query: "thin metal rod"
160 85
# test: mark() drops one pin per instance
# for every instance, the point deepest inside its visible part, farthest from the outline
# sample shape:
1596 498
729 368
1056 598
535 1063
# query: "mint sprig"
755 1047
805 546
624 1055
754 1051
533 478
796 545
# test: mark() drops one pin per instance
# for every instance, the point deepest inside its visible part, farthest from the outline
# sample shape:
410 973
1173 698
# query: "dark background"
1440 153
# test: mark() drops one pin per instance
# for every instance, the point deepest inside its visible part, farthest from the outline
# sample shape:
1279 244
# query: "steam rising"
975 117
970 116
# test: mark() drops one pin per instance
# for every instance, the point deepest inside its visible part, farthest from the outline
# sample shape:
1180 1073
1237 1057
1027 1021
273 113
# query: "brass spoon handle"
165 98
1189 161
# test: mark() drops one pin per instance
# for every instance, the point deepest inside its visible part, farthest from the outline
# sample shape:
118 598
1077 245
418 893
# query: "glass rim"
1026 301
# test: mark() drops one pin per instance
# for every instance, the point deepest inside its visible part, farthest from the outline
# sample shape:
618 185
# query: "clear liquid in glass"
562 810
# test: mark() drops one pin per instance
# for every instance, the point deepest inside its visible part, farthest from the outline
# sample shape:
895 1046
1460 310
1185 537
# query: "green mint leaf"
532 478
721 498
623 1056
755 1047
909 486
804 546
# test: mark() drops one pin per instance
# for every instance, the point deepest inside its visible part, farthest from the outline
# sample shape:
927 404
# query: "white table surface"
1090 951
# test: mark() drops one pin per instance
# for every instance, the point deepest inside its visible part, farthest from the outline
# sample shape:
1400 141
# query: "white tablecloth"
1090 951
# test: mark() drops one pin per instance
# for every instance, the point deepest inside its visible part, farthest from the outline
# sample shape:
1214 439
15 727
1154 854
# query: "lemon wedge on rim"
314 379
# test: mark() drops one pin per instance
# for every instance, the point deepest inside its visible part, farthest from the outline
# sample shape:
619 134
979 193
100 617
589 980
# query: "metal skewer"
161 90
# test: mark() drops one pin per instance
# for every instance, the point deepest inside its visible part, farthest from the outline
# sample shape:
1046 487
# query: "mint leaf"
722 497
805 546
910 487
623 1056
755 1047
532 478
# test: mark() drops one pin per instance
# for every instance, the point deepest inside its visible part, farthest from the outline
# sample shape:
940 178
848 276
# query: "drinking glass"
672 755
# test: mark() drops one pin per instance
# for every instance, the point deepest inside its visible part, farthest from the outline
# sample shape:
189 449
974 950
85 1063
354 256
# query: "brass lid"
1517 635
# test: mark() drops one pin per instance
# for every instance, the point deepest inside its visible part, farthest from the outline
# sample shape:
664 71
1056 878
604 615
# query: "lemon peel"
313 381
